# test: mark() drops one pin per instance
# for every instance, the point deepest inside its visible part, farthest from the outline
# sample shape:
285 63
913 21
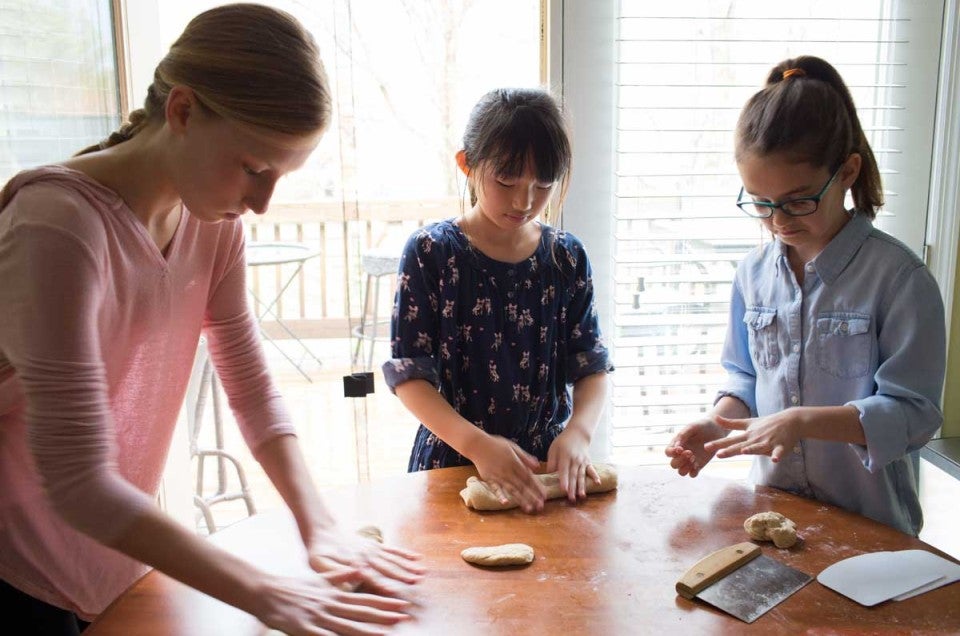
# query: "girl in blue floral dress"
494 318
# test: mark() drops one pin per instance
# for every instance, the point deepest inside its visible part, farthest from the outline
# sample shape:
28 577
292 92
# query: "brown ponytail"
806 111
246 62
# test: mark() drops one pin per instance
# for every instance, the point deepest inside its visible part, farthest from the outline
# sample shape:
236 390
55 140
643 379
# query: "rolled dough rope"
371 532
497 555
477 494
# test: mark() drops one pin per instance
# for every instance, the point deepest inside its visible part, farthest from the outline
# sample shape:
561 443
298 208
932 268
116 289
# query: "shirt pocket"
844 342
761 325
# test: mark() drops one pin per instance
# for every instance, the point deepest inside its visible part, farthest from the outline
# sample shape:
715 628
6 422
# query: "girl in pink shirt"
113 263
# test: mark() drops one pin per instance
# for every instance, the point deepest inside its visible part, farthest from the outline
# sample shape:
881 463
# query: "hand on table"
358 562
569 457
508 471
688 450
318 605
774 435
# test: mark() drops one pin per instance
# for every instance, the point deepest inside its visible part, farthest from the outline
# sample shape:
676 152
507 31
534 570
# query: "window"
58 80
684 71
404 75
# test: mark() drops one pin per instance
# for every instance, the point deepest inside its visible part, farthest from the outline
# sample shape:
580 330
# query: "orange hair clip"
462 162
790 72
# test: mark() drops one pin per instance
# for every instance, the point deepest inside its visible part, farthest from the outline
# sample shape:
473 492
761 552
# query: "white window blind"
58 80
685 69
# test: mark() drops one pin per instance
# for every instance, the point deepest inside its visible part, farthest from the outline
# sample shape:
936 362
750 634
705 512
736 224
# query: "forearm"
427 405
158 541
284 464
589 400
730 407
831 423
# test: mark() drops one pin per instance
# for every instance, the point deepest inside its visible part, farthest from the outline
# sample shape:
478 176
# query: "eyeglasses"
801 206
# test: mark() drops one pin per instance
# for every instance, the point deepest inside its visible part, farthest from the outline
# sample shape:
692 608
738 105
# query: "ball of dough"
371 532
507 554
771 526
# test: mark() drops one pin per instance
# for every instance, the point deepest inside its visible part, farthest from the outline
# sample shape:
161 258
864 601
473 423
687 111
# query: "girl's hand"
317 605
569 457
774 435
508 471
366 564
689 450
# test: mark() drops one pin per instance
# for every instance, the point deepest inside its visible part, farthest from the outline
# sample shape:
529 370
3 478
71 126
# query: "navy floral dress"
502 342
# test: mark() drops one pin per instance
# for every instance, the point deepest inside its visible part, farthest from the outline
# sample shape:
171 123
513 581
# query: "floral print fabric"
502 342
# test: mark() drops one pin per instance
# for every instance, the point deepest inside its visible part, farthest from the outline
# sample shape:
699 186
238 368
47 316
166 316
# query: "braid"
137 120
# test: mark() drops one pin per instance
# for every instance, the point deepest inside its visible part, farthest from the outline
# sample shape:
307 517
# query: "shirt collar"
838 253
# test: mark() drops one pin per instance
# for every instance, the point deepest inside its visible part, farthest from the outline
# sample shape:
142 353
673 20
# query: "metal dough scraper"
741 581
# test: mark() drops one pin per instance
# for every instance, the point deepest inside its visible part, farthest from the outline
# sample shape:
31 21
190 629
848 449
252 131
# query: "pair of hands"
508 469
694 446
362 587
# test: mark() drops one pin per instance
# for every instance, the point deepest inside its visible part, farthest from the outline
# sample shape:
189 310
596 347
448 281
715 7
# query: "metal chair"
204 382
293 256
376 264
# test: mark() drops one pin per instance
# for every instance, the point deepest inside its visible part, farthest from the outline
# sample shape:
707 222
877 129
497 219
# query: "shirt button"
510 294
809 267
797 450
794 399
510 272
796 348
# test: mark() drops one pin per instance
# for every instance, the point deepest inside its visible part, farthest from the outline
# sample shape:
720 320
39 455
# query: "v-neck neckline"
162 256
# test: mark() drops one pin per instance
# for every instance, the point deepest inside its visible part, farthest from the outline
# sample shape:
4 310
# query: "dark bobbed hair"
809 115
510 126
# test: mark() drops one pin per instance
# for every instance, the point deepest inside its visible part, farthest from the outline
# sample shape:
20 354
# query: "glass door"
322 261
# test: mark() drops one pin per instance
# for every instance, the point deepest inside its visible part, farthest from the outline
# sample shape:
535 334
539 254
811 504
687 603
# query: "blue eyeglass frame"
744 205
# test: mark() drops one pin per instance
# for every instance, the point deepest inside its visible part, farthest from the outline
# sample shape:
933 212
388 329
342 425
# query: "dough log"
371 532
771 526
477 494
498 555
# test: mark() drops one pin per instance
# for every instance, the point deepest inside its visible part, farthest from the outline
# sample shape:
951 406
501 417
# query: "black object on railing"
358 384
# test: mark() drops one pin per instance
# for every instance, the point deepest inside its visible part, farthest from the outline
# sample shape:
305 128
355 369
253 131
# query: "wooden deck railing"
324 301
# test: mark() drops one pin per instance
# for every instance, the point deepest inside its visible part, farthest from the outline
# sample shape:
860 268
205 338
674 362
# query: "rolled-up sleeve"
586 352
741 381
904 412
415 323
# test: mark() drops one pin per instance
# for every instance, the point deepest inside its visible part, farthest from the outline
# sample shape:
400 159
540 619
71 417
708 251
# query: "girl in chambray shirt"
835 349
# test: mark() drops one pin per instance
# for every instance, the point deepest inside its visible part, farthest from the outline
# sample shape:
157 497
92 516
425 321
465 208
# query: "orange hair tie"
462 162
790 72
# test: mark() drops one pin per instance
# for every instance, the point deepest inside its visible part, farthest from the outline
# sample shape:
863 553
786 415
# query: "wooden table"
605 566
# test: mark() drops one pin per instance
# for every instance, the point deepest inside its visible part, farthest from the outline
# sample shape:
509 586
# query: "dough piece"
507 554
477 494
771 526
371 532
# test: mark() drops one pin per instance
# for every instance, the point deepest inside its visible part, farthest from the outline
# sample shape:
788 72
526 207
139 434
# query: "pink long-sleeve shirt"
98 331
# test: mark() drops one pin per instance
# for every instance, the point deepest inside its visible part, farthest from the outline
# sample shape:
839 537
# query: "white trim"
143 47
584 70
943 226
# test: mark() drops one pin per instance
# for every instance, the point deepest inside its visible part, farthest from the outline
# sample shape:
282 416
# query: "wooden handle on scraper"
714 567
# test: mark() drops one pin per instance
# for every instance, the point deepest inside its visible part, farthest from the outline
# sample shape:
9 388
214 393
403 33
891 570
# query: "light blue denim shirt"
866 328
